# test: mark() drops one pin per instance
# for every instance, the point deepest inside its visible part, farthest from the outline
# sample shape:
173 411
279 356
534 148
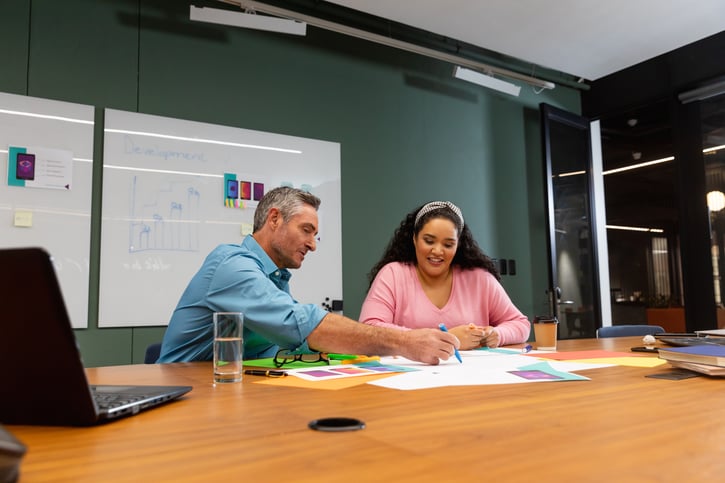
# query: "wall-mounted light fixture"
247 20
702 93
486 81
715 200
391 42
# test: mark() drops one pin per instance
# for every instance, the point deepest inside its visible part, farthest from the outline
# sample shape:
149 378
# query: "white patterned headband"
437 205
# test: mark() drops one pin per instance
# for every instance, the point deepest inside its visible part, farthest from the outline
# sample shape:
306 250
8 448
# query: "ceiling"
587 39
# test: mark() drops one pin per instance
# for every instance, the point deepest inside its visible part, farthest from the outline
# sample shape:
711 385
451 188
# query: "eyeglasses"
285 356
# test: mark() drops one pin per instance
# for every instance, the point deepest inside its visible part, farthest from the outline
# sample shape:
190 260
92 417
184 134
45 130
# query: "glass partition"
713 142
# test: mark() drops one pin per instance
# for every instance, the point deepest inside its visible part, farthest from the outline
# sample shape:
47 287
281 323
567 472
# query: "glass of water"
228 346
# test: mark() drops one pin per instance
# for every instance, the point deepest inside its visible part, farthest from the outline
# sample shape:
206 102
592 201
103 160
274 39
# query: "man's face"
293 238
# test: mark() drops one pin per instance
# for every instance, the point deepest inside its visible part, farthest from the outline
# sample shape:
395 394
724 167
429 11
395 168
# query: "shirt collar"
268 266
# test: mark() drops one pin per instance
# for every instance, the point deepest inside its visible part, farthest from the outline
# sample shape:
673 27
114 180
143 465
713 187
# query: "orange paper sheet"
577 355
331 384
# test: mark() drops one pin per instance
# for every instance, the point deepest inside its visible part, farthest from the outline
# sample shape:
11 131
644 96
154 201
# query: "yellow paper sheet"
625 361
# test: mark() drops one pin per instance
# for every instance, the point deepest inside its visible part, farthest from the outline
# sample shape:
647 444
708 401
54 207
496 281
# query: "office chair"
153 351
628 330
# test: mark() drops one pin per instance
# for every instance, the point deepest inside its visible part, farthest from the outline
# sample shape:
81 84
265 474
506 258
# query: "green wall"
408 131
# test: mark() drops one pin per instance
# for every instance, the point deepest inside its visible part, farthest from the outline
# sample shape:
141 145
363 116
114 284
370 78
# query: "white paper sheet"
479 367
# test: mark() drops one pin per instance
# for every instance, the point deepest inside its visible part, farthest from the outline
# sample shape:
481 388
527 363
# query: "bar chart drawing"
164 216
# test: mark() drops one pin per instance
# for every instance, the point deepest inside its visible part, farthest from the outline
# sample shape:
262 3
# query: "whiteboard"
165 208
36 210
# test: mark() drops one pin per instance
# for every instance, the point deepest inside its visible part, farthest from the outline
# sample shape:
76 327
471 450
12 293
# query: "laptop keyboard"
112 400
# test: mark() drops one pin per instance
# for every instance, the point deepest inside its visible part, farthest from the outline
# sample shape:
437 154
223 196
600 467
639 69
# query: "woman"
434 272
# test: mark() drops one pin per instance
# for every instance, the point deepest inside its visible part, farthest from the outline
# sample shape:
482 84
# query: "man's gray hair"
287 200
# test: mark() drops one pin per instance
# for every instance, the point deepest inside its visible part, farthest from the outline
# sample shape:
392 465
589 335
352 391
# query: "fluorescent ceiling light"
390 42
486 81
247 20
702 93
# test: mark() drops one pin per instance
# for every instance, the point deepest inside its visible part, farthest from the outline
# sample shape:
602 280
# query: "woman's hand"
471 336
491 337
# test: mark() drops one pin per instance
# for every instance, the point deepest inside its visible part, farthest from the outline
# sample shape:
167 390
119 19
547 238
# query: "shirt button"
276 274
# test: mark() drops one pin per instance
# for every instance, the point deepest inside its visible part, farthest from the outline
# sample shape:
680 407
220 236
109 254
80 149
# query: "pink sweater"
396 299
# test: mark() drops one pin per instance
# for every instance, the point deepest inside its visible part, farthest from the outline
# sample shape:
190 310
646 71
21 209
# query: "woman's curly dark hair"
401 249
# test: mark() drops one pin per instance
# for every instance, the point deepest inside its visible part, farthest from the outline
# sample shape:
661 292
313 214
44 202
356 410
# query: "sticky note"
246 229
23 219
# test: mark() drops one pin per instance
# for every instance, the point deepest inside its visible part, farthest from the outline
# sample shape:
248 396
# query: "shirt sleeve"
378 308
512 325
240 285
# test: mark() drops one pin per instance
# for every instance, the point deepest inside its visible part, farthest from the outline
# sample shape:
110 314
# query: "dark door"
573 272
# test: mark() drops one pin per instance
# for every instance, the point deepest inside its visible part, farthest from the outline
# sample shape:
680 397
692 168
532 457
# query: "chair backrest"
628 330
153 351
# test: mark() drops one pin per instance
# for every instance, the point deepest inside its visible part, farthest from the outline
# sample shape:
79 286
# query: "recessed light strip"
45 116
572 173
714 148
163 171
83 160
635 228
208 141
638 165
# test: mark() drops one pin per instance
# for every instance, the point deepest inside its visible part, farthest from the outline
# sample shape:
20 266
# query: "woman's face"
435 246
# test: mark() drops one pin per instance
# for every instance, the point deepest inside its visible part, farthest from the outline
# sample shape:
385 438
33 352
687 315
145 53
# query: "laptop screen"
42 369
43 380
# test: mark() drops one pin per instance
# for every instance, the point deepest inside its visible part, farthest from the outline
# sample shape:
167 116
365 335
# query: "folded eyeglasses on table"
286 356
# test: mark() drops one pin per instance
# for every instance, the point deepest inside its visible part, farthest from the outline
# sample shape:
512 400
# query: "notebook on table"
42 378
713 355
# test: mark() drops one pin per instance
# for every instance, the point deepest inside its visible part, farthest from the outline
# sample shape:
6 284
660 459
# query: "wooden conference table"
619 426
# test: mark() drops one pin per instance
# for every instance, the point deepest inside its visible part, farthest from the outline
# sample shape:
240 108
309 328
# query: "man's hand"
429 346
337 333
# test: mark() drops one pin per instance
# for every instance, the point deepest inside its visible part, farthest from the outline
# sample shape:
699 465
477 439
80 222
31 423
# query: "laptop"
683 339
42 378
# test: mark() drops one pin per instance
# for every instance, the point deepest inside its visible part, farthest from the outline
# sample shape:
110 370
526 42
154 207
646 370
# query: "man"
252 278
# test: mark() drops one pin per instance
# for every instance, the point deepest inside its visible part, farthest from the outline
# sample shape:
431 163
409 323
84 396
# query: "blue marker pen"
455 351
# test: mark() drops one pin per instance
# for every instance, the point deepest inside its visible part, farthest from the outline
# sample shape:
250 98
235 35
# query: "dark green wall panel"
84 51
105 347
142 337
14 35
